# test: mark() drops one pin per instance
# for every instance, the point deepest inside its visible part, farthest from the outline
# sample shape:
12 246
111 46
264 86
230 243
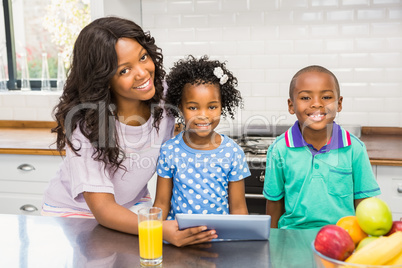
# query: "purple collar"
340 138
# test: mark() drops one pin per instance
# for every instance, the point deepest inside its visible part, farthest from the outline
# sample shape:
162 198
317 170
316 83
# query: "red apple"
334 242
396 226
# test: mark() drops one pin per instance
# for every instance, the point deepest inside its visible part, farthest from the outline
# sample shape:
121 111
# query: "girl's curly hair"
87 101
201 71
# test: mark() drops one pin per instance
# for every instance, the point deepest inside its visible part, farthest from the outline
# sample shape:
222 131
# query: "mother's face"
134 78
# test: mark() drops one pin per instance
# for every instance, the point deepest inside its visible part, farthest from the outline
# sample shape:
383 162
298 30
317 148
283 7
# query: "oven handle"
255 196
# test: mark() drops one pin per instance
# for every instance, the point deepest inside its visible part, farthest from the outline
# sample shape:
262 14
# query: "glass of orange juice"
150 236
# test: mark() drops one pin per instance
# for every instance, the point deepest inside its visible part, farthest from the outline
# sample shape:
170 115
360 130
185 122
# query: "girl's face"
134 79
201 108
315 101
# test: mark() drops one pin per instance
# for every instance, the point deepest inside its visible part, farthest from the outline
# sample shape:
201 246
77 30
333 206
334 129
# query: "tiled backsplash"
29 106
266 42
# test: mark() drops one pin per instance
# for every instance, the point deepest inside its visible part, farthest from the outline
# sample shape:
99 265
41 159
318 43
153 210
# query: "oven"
255 149
254 184
255 141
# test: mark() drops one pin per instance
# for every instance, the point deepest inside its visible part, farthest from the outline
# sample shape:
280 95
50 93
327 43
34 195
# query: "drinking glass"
45 80
3 78
25 85
150 236
61 73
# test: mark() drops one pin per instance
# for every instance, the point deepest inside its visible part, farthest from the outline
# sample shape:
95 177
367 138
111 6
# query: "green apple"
374 216
365 241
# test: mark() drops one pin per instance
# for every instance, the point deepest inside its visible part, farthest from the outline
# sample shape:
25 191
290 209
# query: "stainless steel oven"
254 185
255 149
255 141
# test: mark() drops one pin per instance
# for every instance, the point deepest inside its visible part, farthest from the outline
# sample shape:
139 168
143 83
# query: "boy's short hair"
312 68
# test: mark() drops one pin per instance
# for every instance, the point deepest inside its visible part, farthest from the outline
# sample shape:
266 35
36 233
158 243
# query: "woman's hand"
190 236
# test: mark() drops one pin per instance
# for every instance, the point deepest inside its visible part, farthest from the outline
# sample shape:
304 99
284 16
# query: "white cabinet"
23 180
389 179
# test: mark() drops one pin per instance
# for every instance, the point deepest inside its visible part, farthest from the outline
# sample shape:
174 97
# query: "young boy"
316 171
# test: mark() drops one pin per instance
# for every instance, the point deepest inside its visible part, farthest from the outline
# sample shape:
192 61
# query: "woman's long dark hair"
87 100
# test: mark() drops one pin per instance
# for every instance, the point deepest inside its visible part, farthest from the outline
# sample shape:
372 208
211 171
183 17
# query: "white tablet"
229 227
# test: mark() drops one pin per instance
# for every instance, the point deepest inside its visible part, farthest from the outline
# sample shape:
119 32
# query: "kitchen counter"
384 145
35 241
27 137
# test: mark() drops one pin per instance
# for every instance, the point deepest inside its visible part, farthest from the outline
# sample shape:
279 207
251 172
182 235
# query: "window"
33 30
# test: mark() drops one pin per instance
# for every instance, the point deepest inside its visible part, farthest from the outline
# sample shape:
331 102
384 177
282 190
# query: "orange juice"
150 236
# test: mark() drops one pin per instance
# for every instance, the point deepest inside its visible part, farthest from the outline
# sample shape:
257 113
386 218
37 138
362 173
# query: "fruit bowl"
326 262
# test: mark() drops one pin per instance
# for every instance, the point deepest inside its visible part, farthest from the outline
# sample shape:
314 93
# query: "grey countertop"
36 241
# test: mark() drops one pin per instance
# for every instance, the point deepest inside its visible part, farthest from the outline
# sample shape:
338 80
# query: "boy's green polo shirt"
318 187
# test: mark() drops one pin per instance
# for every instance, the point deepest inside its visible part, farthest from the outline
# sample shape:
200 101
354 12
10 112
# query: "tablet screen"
229 227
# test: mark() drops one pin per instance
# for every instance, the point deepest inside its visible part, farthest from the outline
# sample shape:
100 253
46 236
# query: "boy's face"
315 100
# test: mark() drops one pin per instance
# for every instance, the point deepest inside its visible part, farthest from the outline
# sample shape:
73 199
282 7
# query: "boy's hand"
190 236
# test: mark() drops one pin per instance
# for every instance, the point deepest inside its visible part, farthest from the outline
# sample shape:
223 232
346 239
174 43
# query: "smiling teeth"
203 125
144 85
317 115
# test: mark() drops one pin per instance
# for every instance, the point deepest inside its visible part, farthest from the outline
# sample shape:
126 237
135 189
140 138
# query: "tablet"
229 227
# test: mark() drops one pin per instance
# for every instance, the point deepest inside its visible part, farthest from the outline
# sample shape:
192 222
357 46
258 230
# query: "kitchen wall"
266 42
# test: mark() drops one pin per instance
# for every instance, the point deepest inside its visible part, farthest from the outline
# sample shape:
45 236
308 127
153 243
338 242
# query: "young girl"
109 120
201 171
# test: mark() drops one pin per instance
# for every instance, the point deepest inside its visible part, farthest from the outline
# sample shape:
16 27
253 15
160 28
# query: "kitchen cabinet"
389 179
23 181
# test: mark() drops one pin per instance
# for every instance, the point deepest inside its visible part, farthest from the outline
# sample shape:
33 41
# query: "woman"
111 122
